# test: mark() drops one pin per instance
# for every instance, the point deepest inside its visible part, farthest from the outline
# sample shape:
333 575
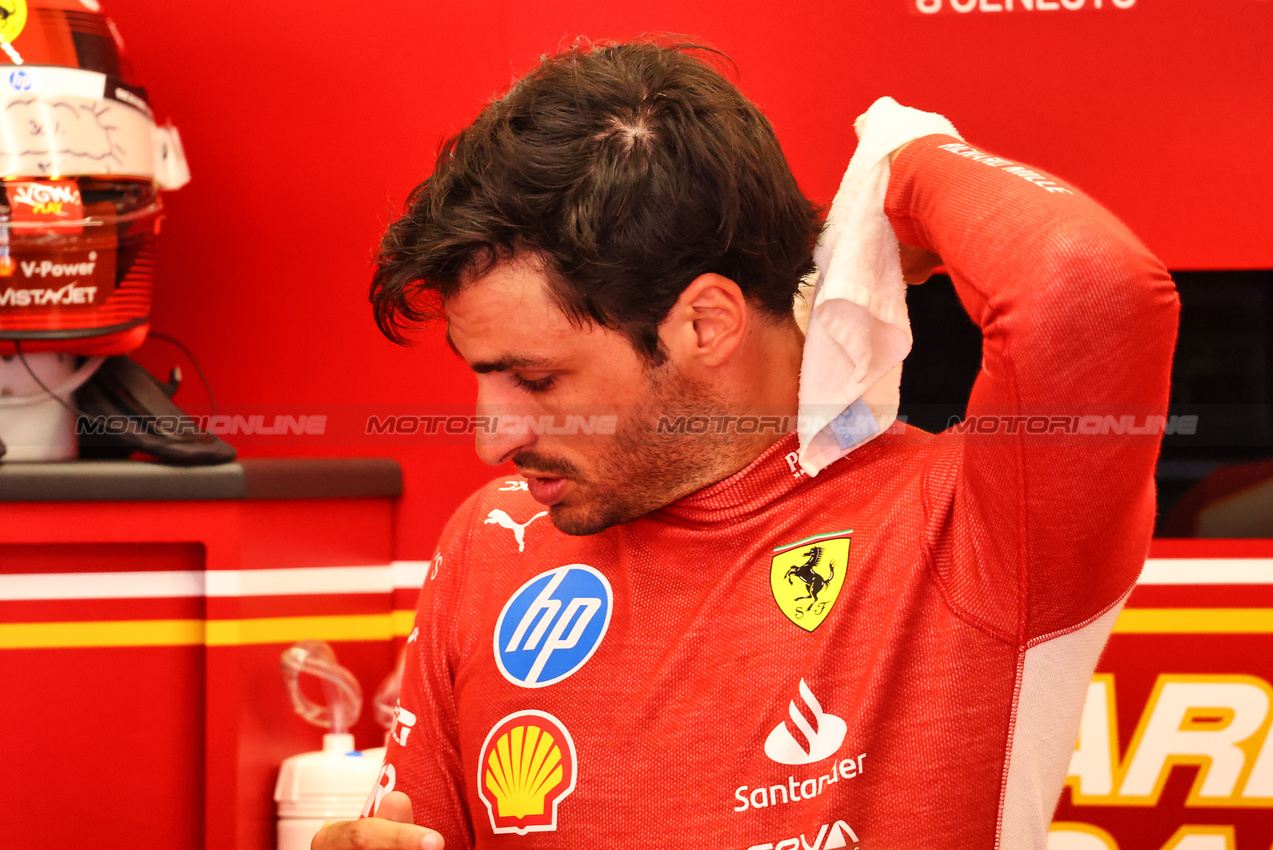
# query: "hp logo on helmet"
552 625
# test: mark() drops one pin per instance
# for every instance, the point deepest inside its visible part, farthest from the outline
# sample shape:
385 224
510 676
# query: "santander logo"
822 733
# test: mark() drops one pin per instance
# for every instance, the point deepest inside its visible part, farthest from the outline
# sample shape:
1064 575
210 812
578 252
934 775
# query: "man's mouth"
546 490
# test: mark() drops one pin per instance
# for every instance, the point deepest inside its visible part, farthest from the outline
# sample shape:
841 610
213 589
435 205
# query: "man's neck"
765 392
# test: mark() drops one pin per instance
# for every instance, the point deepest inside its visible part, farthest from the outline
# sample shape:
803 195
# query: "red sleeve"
1032 532
423 755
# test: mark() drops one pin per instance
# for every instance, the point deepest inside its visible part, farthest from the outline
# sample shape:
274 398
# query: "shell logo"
526 768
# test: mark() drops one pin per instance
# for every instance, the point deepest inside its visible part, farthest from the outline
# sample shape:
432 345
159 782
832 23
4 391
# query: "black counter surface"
132 480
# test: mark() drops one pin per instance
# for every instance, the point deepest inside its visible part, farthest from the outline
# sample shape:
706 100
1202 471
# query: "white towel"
857 330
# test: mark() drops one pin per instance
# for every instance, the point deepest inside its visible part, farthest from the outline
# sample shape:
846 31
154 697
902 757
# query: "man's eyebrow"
503 364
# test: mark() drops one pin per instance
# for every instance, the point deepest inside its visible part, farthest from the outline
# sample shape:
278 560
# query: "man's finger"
396 807
375 834
918 264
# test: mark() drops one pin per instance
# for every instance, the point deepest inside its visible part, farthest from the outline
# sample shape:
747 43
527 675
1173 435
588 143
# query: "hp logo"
20 81
552 625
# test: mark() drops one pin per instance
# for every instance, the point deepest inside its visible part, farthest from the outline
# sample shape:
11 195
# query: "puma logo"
498 517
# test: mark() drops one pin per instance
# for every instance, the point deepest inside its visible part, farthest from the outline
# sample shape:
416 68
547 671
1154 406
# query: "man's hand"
391 829
918 264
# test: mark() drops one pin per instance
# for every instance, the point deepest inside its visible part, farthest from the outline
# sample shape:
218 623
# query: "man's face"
532 362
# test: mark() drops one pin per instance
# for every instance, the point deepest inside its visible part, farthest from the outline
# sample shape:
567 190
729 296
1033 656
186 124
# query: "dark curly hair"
628 170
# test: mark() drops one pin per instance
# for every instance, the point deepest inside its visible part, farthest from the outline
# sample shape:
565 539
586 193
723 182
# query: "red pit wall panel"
155 747
102 745
103 742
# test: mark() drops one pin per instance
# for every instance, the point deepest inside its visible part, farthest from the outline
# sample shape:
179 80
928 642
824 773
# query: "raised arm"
1047 520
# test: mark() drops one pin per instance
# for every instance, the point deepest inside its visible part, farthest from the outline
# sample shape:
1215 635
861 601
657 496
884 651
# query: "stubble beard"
647 467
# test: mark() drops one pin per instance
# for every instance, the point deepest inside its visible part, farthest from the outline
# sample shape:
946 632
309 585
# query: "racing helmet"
82 163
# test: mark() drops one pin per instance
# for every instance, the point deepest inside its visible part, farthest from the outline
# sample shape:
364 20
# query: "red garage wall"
306 123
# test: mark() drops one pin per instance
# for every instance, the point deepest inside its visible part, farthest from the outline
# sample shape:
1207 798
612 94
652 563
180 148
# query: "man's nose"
504 433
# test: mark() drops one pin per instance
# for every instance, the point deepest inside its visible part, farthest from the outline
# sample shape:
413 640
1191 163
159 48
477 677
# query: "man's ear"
707 324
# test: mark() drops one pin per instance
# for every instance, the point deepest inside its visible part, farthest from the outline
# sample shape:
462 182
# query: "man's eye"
539 385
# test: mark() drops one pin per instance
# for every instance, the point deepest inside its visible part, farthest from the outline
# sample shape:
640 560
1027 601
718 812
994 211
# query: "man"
705 646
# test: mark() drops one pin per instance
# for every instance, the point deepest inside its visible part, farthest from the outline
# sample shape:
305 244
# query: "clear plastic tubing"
341 690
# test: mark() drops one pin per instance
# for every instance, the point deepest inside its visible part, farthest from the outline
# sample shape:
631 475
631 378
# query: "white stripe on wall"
171 583
215 583
302 580
410 574
1207 571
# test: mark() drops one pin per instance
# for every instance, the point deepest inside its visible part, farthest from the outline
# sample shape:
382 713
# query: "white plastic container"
34 425
315 789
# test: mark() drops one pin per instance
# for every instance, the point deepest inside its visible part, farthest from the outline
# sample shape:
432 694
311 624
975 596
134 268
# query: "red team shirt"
892 654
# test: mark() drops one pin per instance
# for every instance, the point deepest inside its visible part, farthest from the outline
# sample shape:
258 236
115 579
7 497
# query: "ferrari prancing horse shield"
806 576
